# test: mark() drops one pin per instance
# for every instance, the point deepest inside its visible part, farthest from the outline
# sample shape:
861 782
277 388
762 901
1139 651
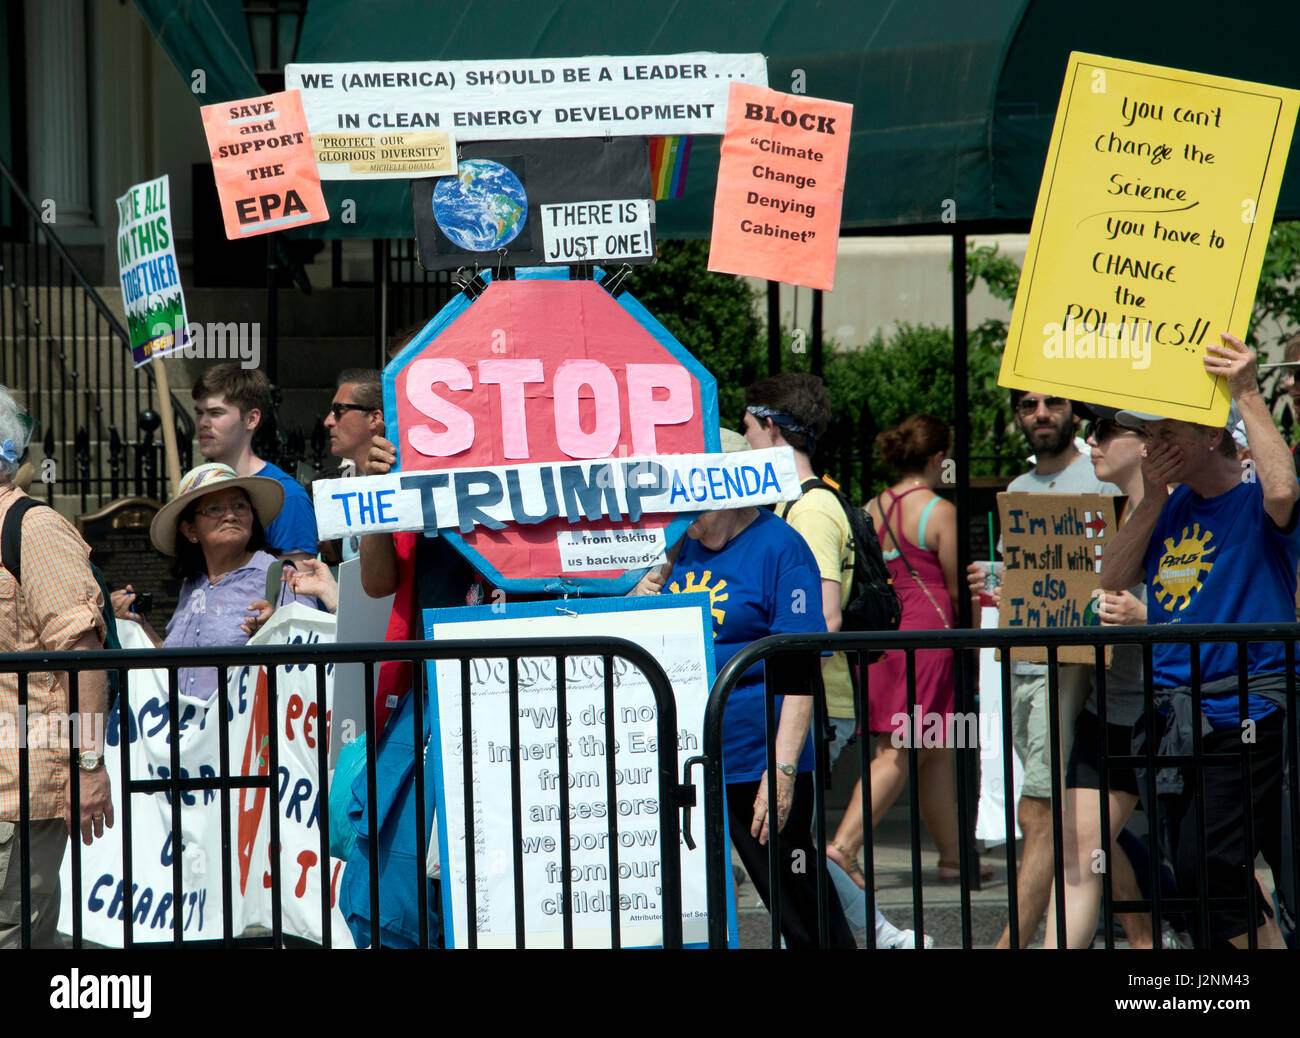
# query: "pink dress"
887 680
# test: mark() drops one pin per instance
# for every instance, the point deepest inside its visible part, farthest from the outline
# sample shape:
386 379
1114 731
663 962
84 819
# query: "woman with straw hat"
215 529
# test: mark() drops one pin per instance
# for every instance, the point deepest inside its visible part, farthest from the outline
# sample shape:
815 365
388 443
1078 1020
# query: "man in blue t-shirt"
1222 548
229 404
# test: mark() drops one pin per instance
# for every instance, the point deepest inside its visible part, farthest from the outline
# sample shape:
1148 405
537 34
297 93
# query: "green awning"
953 101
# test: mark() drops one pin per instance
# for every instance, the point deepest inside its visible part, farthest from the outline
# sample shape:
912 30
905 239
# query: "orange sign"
264 164
776 213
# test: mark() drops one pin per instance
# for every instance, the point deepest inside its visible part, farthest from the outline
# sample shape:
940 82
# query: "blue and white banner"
616 489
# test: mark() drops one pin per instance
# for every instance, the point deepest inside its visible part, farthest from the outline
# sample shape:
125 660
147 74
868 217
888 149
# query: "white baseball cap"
1138 419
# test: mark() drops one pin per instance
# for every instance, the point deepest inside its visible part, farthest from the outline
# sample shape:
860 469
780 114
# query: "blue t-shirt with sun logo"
763 581
1220 560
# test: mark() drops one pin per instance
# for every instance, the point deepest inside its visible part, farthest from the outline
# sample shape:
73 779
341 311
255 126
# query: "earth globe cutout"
483 207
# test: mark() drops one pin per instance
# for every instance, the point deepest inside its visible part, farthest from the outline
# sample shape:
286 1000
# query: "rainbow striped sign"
669 157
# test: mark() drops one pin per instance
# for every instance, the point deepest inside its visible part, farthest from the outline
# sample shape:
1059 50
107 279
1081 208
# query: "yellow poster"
1150 229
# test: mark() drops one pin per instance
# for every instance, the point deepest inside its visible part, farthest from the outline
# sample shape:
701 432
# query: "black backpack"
872 605
11 539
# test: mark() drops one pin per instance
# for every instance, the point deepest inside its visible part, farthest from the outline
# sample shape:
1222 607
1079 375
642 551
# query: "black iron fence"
178 784
792 667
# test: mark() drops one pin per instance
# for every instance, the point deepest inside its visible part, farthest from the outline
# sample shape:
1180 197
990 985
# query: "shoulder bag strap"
912 570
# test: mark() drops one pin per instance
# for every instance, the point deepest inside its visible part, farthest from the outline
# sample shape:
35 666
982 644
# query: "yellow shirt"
819 519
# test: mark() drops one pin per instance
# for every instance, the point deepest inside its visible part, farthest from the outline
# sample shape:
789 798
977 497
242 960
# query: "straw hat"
732 442
266 494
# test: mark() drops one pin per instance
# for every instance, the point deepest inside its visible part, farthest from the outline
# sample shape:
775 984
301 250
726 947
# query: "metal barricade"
793 667
177 783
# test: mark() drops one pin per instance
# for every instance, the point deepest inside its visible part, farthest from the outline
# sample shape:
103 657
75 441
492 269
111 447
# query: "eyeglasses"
339 410
1029 404
1104 429
240 508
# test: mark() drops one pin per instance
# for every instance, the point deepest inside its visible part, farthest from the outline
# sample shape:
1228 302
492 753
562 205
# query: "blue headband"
784 421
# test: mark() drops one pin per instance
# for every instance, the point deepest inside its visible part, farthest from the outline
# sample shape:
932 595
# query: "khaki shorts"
1029 731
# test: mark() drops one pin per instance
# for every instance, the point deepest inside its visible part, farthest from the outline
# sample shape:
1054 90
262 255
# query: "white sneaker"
890 936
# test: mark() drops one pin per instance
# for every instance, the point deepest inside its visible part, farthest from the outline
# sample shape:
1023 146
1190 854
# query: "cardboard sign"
148 272
1051 552
536 98
1151 224
624 820
541 383
776 212
493 213
264 165
153 843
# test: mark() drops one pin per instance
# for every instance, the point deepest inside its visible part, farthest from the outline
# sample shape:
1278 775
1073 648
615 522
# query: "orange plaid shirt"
59 602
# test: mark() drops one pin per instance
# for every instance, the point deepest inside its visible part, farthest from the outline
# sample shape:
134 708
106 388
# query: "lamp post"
274 29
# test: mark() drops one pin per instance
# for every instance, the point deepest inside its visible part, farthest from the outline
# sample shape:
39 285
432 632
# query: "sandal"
848 863
950 873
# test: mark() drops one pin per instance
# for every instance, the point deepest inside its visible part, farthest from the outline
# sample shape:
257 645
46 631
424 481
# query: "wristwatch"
785 769
89 760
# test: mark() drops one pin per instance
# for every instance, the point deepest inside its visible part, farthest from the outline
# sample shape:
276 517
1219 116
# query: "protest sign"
584 395
264 165
580 233
678 632
152 845
617 490
1151 224
1051 551
491 213
537 98
150 278
776 210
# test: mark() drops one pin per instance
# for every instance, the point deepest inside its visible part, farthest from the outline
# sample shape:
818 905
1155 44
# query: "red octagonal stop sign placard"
545 369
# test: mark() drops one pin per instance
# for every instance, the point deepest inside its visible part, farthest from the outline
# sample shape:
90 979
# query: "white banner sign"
365 106
576 232
581 491
591 549
679 636
298 729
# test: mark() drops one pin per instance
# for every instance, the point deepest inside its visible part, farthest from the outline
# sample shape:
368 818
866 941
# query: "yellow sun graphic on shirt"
1182 568
716 594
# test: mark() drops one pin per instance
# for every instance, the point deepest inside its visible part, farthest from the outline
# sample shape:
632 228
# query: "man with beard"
1049 424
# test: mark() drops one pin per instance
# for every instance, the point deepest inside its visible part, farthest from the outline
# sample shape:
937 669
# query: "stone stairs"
53 338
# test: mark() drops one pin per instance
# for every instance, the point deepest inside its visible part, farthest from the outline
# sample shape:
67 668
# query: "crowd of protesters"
243 538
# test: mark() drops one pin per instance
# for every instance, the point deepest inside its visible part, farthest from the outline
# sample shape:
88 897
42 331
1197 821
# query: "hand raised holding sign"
382 457
1235 362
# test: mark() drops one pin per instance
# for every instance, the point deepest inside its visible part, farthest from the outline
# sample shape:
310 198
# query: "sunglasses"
1027 405
339 410
1104 429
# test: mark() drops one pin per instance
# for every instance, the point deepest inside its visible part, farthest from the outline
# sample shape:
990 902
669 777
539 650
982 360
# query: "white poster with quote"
677 632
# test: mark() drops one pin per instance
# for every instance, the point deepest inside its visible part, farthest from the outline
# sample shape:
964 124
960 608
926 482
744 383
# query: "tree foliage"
715 316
